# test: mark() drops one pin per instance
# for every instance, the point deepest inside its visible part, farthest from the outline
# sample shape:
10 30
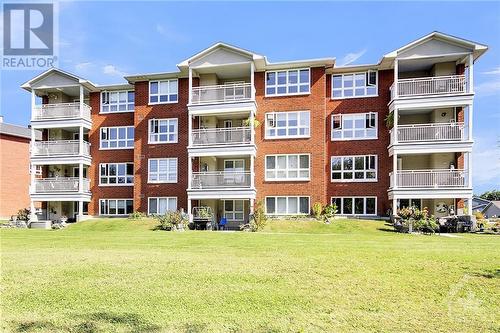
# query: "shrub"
136 215
479 216
171 220
330 211
317 209
23 214
259 220
418 219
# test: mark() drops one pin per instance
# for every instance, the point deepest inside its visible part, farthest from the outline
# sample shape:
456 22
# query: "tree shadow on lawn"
488 274
93 323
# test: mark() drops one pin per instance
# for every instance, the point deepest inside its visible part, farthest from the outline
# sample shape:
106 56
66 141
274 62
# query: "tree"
492 195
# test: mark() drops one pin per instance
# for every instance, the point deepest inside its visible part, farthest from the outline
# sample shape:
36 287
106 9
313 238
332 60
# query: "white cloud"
495 71
169 33
488 88
112 70
349 58
81 66
486 161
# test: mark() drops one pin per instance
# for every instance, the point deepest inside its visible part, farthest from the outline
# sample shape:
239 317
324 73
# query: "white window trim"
288 196
234 211
364 205
176 203
353 180
114 148
167 181
353 87
117 184
162 142
342 129
116 91
298 136
286 85
298 169
117 199
167 102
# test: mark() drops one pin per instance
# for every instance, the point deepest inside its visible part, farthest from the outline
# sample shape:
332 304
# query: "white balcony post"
252 171
190 172
80 141
252 80
394 206
80 178
395 125
33 103
252 127
469 122
189 210
469 206
396 70
81 101
190 131
395 170
471 73
80 211
190 93
469 169
252 206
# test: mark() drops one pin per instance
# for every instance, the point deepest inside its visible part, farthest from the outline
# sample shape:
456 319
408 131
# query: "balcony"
226 93
221 136
59 148
435 132
58 185
435 178
430 86
60 111
221 179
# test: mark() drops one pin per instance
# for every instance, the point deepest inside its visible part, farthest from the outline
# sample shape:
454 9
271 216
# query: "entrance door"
234 210
75 209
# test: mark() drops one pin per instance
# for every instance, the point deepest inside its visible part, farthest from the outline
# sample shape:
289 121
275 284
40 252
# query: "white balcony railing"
220 179
61 111
435 85
221 136
60 185
436 178
429 132
60 148
234 92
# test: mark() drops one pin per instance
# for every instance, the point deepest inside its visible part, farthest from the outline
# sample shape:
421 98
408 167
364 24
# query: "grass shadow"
488 274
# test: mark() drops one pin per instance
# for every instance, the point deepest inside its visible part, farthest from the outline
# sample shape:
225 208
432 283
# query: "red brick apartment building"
14 168
230 129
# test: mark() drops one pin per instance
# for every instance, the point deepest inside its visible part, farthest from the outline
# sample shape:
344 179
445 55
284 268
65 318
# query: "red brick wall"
144 151
362 147
315 145
14 174
106 156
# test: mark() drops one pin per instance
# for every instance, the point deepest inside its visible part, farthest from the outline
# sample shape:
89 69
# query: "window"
405 203
354 85
116 206
287 205
163 130
234 210
162 170
116 174
161 205
357 126
354 168
117 101
287 125
287 167
356 205
117 137
289 82
164 91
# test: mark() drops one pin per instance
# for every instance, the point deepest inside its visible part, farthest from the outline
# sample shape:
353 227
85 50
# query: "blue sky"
102 41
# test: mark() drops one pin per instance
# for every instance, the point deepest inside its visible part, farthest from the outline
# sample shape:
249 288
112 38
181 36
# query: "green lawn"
118 275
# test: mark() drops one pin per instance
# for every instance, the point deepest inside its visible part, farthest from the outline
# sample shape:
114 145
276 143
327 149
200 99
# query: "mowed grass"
118 275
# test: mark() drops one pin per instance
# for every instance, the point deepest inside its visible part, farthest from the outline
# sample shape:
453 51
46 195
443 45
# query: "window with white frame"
287 167
292 205
116 173
162 170
161 205
234 210
117 101
116 206
163 130
163 91
353 85
354 126
356 205
288 82
354 168
405 203
119 137
294 124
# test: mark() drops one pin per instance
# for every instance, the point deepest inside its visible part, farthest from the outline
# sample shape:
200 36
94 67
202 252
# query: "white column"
471 73
190 93
80 178
469 121
190 171
252 206
190 130
469 169
252 80
80 211
469 206
252 127
33 216
395 125
81 100
394 170
394 206
80 139
33 102
252 171
396 70
189 210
